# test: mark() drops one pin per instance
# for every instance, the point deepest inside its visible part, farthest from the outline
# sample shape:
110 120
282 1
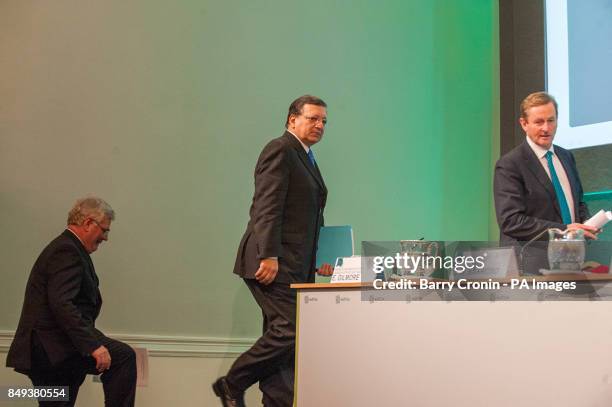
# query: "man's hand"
268 268
590 232
326 269
102 357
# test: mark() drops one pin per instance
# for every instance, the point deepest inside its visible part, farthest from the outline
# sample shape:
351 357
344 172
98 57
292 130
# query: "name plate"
347 270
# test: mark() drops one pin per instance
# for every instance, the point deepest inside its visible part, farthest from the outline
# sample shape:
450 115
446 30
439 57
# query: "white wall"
181 372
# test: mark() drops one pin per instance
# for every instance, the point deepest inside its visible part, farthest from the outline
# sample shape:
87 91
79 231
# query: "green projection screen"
162 108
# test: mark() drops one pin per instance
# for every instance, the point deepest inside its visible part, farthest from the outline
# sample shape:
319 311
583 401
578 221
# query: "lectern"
353 349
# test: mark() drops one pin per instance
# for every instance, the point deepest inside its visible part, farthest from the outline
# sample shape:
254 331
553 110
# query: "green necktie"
565 213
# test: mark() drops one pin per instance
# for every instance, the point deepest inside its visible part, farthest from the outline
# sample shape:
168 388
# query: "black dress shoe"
228 399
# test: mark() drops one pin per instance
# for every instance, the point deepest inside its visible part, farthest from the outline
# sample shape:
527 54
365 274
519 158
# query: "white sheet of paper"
599 219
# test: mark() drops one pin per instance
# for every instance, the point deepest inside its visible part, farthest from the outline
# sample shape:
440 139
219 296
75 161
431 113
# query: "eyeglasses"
105 231
315 120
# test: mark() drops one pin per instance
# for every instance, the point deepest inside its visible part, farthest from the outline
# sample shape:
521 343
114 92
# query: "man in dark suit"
536 185
57 343
277 249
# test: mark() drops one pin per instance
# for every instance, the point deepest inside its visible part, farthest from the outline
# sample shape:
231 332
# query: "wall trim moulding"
170 346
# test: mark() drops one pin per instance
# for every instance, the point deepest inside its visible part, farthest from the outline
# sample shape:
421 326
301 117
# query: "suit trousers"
119 381
271 360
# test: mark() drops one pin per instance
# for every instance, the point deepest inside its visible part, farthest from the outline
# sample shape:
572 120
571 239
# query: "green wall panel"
162 109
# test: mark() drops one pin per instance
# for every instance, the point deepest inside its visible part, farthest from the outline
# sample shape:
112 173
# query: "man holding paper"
536 185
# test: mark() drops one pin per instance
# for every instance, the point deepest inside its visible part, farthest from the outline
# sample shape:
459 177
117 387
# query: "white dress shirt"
298 139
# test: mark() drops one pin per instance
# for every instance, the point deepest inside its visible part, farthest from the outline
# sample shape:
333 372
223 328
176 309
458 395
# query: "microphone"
539 235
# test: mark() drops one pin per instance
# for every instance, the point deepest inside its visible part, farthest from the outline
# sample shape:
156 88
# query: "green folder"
334 242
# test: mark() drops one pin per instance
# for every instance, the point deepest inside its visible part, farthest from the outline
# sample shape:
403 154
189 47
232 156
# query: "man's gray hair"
90 207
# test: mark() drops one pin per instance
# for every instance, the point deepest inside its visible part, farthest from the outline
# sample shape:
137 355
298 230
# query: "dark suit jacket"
61 304
525 199
286 213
